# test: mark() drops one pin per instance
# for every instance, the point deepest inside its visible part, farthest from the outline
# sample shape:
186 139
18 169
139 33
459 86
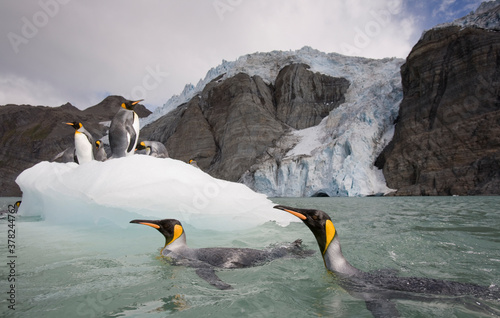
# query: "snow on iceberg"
119 190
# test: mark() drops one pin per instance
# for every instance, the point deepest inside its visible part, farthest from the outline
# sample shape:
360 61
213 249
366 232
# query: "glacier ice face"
119 190
336 157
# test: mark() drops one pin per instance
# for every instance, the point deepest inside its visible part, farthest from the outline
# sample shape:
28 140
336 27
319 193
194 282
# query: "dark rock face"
224 129
193 136
31 134
303 98
234 121
447 138
241 114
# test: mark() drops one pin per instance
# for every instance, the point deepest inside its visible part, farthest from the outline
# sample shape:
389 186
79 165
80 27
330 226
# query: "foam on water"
119 190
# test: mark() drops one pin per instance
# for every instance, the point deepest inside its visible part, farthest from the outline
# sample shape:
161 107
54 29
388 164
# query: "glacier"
486 16
116 191
336 157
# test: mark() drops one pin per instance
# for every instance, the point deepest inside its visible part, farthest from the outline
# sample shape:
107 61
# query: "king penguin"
124 130
206 259
377 289
194 163
84 144
100 152
153 148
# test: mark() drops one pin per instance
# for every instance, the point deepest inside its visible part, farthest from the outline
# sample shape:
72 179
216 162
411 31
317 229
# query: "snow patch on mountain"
265 65
486 16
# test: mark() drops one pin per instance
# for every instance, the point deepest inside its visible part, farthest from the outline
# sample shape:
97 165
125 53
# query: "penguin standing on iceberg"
100 152
153 148
194 163
84 143
124 130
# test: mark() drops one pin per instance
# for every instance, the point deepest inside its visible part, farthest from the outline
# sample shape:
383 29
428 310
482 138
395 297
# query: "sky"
59 51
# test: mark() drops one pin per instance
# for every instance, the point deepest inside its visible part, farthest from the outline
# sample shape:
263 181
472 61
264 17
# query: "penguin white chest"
83 148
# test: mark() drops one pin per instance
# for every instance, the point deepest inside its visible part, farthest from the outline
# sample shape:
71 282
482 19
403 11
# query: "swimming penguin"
377 289
124 130
84 144
206 259
153 148
100 152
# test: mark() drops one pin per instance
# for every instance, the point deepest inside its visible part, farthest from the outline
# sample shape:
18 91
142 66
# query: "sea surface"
68 270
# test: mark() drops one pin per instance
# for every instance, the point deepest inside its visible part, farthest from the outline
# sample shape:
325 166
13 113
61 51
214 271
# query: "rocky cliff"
235 120
30 134
304 98
447 136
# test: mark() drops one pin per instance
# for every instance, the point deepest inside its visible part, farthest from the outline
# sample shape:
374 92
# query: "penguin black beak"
289 210
147 222
137 101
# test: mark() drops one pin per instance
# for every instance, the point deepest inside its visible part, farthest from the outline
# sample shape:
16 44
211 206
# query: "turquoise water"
105 271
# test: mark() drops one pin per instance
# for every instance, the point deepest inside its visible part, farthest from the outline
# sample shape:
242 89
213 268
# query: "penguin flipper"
132 139
208 274
382 308
75 158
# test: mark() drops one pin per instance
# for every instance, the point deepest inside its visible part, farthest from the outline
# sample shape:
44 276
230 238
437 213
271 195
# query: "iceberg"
119 190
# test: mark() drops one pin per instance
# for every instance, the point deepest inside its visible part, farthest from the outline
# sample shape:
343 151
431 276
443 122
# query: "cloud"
19 90
79 51
451 9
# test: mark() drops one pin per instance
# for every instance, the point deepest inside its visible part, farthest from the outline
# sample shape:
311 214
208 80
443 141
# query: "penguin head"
75 125
170 228
317 221
129 104
98 144
141 146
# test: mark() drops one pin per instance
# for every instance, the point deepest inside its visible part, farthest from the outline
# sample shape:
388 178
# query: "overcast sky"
58 51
